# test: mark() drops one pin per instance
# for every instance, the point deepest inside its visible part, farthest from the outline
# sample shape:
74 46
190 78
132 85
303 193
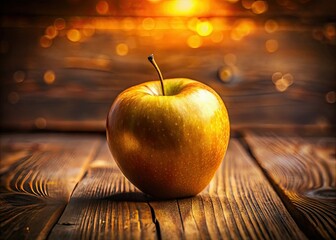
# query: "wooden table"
67 186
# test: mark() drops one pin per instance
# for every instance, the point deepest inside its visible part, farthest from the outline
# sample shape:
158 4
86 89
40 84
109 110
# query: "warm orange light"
102 7
49 77
259 7
148 23
74 35
88 30
180 7
184 6
128 23
204 28
242 29
217 37
122 49
194 41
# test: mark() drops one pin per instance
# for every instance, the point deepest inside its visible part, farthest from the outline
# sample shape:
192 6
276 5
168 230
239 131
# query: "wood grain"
38 174
303 170
105 206
239 203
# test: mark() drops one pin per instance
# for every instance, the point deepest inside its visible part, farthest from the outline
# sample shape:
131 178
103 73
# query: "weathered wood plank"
106 206
38 174
238 203
303 170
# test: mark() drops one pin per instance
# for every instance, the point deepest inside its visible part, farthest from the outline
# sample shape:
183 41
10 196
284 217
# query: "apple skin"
168 146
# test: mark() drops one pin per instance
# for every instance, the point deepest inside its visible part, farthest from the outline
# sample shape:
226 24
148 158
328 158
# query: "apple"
168 137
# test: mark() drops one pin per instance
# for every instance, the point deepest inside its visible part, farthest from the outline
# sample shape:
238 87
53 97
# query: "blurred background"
64 62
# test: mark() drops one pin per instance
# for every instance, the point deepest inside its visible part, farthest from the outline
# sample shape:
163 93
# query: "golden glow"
204 28
271 26
102 7
259 7
122 49
242 29
74 35
49 77
330 97
181 7
40 123
184 6
194 41
148 23
19 76
59 23
45 42
271 45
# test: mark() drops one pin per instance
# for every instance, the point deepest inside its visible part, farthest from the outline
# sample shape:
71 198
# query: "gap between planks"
266 147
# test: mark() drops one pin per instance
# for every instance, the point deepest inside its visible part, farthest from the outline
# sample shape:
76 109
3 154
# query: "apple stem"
152 60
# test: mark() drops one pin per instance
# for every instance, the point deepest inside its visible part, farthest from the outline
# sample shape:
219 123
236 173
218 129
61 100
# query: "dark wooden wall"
68 82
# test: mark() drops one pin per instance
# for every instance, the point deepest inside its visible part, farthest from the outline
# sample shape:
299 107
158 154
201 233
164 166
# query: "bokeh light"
122 49
148 23
194 41
49 77
259 7
40 123
241 29
204 28
59 23
271 26
247 4
102 7
282 81
19 76
217 37
88 30
330 97
74 35
51 32
45 42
